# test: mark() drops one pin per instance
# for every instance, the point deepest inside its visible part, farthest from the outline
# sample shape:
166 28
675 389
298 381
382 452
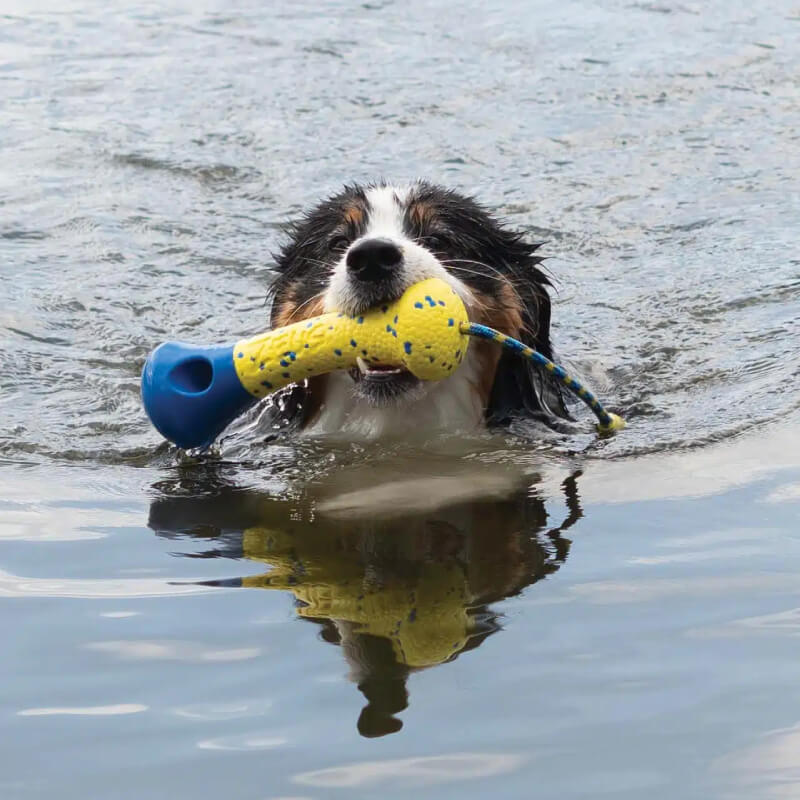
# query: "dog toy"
192 393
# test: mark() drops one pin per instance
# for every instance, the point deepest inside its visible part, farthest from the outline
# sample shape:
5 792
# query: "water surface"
517 614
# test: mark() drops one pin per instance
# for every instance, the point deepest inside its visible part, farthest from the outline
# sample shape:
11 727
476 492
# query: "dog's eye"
338 243
436 241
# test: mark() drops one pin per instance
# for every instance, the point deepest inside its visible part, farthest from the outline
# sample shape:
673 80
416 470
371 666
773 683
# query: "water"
515 613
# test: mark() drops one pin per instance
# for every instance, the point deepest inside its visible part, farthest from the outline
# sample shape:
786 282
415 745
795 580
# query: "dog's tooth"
362 365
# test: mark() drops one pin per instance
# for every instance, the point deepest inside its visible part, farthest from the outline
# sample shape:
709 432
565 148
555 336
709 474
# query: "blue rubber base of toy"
191 393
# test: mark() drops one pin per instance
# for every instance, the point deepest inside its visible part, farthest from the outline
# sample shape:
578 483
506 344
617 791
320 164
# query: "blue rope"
608 421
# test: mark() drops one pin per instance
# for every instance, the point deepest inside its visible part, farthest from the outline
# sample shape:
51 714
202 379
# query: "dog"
364 246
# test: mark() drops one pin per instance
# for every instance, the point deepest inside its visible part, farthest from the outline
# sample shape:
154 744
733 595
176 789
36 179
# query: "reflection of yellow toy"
426 620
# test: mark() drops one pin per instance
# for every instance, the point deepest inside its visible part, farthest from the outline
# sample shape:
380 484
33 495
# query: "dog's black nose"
373 259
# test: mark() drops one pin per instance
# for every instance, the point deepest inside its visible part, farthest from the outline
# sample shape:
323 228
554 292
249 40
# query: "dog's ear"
520 386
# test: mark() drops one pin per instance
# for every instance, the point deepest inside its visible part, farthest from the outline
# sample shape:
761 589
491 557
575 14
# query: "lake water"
512 615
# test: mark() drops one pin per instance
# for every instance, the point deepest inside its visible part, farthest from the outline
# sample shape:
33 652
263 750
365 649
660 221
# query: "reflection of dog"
399 595
365 246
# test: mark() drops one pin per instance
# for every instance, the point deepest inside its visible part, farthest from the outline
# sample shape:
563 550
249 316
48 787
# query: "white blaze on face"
386 205
385 213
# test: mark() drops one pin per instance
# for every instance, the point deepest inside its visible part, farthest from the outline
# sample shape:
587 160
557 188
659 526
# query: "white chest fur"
453 404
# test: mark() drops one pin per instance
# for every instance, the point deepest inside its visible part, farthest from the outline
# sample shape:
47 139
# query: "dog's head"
366 246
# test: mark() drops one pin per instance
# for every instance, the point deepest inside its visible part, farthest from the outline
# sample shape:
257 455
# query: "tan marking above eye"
353 215
421 214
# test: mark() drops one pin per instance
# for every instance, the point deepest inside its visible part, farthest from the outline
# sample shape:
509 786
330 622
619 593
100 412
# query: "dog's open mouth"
382 383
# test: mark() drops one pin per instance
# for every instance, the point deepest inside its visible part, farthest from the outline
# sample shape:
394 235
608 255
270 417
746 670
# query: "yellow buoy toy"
192 393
